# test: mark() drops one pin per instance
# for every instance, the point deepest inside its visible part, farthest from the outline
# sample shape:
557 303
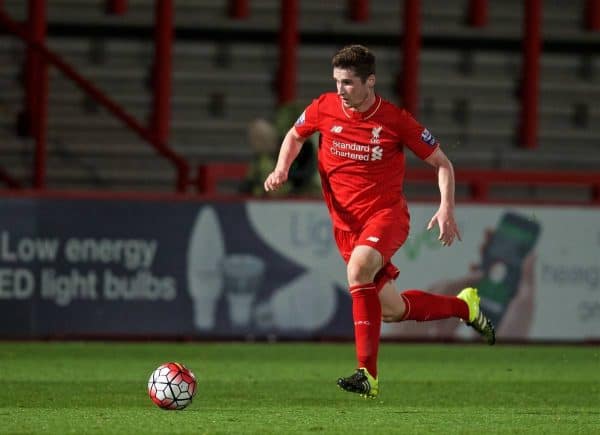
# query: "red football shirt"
361 155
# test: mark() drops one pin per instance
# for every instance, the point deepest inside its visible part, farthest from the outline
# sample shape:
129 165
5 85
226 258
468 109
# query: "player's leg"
419 305
366 308
392 305
423 306
380 237
362 266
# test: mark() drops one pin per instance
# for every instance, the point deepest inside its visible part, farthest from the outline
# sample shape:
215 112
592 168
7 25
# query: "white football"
172 386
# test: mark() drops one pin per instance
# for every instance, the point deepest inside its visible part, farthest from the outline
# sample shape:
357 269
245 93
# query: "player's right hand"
275 180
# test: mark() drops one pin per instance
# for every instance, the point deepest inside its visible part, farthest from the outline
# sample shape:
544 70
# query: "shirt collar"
355 114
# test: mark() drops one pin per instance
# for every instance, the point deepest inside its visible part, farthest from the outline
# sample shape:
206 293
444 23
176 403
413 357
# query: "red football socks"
422 306
366 312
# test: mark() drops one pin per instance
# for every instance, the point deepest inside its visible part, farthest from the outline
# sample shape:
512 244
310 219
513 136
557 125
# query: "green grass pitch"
100 388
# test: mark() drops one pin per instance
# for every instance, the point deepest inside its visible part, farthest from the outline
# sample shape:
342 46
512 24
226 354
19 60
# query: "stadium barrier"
479 182
174 266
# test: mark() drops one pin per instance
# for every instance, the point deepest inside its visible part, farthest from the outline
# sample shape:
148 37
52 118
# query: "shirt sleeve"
308 122
416 137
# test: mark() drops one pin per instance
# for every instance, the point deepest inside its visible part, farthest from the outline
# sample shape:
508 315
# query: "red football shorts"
386 231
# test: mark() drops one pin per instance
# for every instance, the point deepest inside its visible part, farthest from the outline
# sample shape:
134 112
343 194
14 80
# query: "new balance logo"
376 153
336 129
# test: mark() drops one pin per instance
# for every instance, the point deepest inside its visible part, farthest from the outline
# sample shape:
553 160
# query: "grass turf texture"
100 388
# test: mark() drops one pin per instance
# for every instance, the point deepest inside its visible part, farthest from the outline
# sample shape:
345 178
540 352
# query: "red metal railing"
408 86
532 48
116 7
478 13
209 176
239 9
411 49
479 184
592 15
478 181
36 89
8 180
162 71
155 136
288 51
288 44
359 10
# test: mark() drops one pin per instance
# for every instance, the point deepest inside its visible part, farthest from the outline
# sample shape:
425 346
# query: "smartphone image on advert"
502 258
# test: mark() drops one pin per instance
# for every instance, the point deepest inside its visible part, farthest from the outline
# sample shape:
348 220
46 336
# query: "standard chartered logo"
356 151
376 153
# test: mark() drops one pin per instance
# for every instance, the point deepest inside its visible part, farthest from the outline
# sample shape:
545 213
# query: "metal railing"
154 135
479 182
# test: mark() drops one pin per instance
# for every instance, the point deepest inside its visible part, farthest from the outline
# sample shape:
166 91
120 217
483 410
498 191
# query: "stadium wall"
174 267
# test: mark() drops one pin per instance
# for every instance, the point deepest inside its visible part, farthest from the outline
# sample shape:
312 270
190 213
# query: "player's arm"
290 147
444 217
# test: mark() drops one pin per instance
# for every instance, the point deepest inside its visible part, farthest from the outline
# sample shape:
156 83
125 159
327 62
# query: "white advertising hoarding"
272 269
538 267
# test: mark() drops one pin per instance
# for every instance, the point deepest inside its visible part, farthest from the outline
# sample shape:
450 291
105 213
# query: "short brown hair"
357 58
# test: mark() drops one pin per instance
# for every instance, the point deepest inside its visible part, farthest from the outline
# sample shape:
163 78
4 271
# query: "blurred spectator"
303 176
265 138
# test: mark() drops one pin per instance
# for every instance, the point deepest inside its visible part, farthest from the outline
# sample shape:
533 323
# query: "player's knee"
359 273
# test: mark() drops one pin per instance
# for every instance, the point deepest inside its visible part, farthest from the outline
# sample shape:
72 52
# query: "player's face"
351 89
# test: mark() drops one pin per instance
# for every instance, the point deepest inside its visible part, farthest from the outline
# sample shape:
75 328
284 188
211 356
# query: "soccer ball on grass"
172 386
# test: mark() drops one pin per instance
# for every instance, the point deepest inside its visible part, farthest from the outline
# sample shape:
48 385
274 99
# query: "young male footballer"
361 164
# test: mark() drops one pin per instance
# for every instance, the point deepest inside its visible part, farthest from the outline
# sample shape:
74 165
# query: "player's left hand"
444 218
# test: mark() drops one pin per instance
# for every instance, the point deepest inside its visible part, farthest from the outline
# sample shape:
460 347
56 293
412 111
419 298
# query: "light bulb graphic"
306 303
206 250
243 276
